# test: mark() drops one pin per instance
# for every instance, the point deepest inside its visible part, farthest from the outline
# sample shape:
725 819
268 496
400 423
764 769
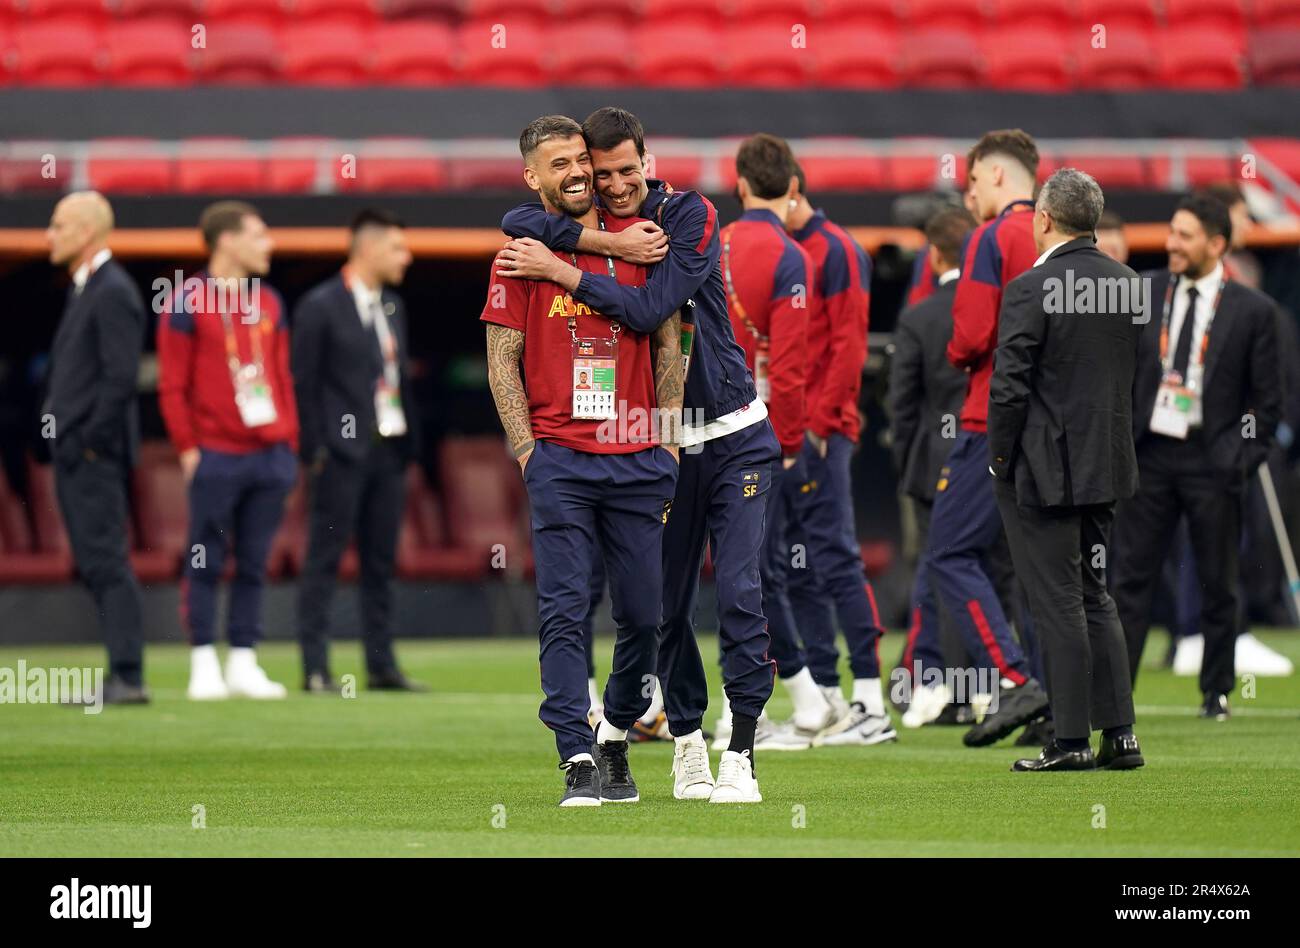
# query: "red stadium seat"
33 172
243 54
778 13
1056 16
1112 171
328 53
1274 57
685 13
413 54
917 172
499 172
1117 15
149 52
268 14
422 549
496 54
130 166
511 12
48 533
963 16
1275 14
446 12
603 58
181 12
477 480
354 13
161 516
681 171
55 54
1198 172
64 13
1128 61
20 562
832 173
941 59
294 164
1030 58
1283 152
763 55
214 165
851 16
856 60
679 55
1197 58
395 164
1225 18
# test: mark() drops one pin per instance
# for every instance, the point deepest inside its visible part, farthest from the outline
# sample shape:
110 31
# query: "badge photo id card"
253 397
595 364
1172 414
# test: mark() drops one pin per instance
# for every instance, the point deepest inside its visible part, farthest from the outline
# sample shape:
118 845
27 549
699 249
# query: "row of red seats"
159 53
455 541
231 166
1219 14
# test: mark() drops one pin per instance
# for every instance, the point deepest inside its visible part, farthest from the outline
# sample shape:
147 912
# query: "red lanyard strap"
1191 314
733 298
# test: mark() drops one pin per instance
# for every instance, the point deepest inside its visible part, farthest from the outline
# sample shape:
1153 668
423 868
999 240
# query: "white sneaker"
1253 657
1188 654
928 702
245 678
771 736
205 675
835 698
722 733
692 778
736 781
863 731
596 715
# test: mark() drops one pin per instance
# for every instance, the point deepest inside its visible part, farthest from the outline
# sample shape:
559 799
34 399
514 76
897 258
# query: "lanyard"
733 299
1190 314
232 344
614 327
387 344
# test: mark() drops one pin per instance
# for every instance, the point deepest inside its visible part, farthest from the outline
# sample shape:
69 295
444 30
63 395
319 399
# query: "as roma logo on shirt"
564 305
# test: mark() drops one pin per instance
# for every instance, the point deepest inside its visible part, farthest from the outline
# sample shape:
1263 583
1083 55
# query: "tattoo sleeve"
505 348
666 344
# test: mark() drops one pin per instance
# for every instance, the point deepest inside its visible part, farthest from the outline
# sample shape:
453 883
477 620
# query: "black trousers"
1059 555
1176 479
92 497
364 498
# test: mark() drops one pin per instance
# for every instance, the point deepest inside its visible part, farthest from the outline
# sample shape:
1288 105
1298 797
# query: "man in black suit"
358 434
1061 451
925 399
1207 400
90 412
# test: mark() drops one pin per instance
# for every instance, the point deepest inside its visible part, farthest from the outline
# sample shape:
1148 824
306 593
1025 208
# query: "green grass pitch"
469 770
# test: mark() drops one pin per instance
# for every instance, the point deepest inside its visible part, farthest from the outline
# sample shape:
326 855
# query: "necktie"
1183 349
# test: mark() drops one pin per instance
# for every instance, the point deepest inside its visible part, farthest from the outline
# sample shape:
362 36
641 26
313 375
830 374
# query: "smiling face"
1192 252
559 169
620 178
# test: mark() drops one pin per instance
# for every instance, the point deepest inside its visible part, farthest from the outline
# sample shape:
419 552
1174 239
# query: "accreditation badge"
1175 404
688 343
595 374
390 419
253 396
762 383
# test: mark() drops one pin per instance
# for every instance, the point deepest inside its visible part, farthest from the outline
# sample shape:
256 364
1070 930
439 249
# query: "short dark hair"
224 217
1109 220
610 126
1012 142
799 176
767 163
374 217
947 230
1211 212
545 128
1226 191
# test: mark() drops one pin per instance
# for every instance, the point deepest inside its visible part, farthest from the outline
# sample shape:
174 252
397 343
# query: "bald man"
90 413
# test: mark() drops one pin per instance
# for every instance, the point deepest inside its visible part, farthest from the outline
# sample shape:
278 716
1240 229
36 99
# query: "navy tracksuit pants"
236 502
965 523
722 497
621 502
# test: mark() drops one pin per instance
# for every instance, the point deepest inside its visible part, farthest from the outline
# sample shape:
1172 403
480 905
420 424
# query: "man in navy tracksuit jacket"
729 446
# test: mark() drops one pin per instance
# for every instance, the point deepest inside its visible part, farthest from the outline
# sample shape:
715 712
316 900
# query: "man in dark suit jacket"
359 432
1061 450
90 412
1207 400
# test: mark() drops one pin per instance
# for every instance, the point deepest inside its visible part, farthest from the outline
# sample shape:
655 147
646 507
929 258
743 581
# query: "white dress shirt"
84 271
948 276
1207 288
1048 252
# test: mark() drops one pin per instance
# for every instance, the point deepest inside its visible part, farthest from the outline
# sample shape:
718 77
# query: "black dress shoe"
320 683
115 691
1037 733
958 715
1052 757
394 680
1215 707
1016 708
1120 753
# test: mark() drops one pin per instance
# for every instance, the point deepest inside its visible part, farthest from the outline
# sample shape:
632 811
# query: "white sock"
695 736
203 653
579 758
804 692
867 692
241 658
725 720
656 705
607 732
592 694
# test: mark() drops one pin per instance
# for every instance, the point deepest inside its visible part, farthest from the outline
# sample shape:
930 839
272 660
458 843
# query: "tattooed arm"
670 381
505 350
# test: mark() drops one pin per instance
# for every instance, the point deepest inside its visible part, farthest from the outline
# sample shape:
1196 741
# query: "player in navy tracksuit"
822 502
965 522
728 444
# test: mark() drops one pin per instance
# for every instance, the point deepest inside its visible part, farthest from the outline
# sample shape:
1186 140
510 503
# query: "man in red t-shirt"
586 429
227 399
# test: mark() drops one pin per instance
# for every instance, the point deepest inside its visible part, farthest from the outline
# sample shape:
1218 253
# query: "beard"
567 203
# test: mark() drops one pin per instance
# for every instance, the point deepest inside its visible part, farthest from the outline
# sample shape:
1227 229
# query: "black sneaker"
1016 708
581 784
1037 733
1215 707
955 715
616 783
